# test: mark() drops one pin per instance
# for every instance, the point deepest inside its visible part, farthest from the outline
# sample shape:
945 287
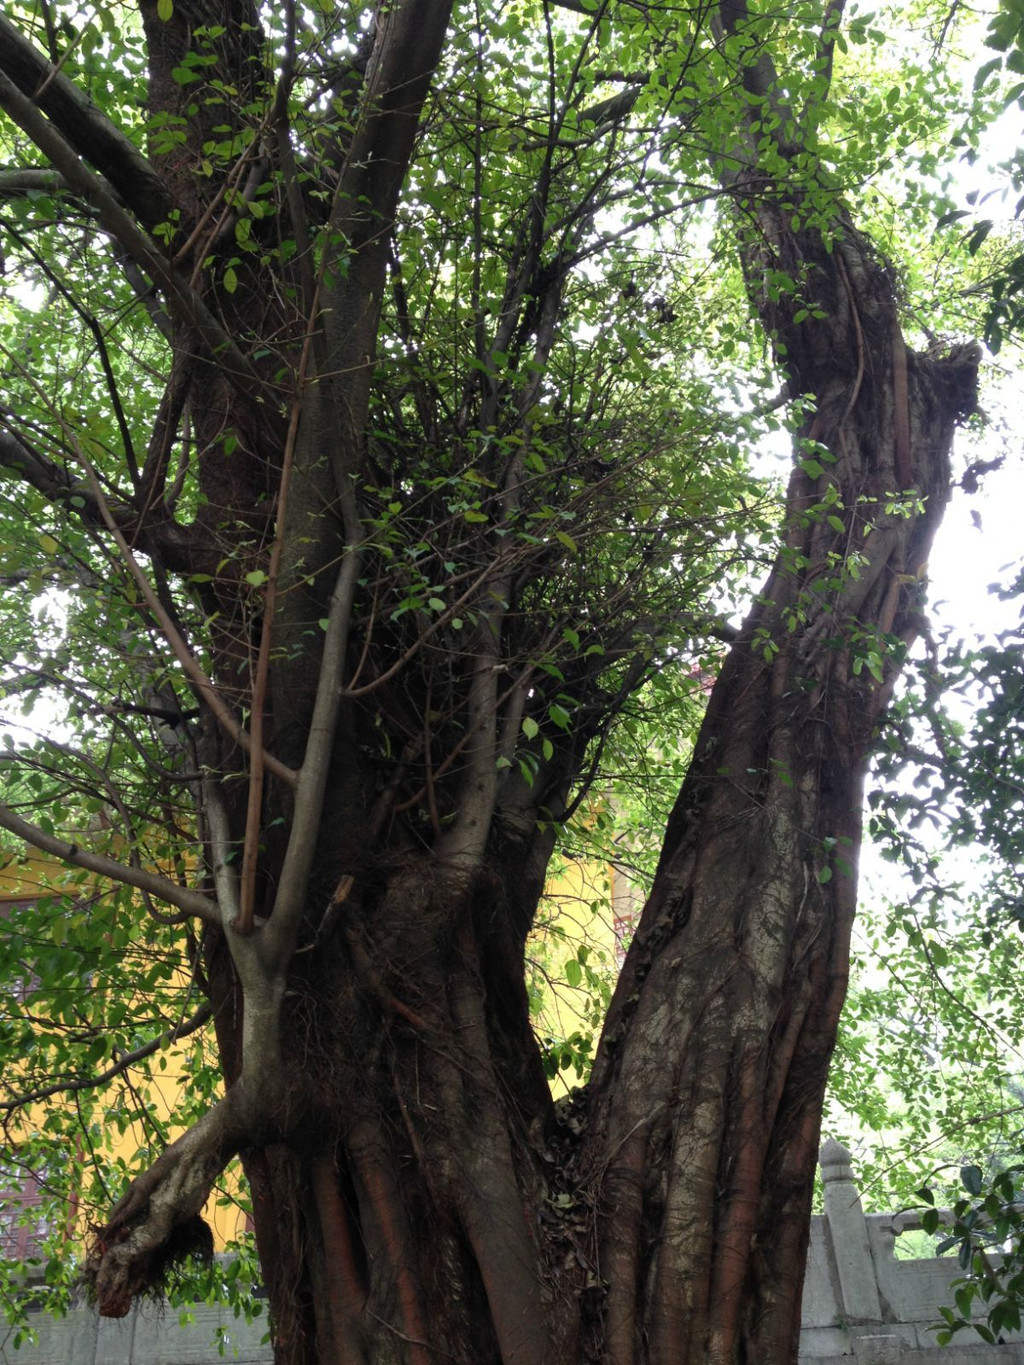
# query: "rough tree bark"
365 965
707 1092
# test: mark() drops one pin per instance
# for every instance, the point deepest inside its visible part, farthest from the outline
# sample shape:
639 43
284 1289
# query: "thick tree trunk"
399 1221
707 1091
428 1225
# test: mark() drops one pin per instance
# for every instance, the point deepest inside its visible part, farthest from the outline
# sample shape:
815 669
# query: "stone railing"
860 1305
861 1302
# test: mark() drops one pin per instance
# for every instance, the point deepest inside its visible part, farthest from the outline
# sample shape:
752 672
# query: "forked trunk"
450 1214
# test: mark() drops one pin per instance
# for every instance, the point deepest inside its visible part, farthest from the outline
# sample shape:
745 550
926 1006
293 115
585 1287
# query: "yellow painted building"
26 877
584 926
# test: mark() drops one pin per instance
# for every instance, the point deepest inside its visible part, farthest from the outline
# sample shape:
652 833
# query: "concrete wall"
861 1306
148 1336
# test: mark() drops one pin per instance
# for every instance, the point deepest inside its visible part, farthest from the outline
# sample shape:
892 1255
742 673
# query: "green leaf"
953 216
256 578
165 10
573 972
971 1178
978 235
530 727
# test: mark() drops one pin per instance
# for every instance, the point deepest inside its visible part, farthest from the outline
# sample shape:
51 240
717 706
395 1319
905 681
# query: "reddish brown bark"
707 1091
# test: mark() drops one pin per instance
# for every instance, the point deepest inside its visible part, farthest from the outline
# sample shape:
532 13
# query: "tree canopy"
391 436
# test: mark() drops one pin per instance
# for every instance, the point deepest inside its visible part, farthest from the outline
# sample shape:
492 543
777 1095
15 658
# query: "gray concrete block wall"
149 1335
861 1306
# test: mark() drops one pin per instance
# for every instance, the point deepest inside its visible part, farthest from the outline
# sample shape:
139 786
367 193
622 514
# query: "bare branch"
89 132
44 475
15 183
102 350
250 851
203 686
192 902
126 1060
282 931
144 292
225 879
183 298
63 490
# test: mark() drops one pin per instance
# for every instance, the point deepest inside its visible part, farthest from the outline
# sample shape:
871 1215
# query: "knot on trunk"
956 371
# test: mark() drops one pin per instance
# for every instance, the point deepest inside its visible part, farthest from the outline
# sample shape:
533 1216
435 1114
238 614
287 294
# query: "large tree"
363 418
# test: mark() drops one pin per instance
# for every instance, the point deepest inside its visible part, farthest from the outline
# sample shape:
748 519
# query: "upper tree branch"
85 128
405 53
204 688
182 297
102 350
756 69
192 902
59 486
282 931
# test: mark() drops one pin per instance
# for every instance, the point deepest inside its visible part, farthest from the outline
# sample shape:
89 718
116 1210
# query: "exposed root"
157 1224
159 1274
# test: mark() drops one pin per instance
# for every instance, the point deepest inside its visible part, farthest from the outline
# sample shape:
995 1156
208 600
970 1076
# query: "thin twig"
251 846
126 1060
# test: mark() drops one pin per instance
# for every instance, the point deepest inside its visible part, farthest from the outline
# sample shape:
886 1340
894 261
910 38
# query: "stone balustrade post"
848 1235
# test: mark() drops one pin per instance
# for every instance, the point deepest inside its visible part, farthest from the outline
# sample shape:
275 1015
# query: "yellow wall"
584 905
28 875
588 906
